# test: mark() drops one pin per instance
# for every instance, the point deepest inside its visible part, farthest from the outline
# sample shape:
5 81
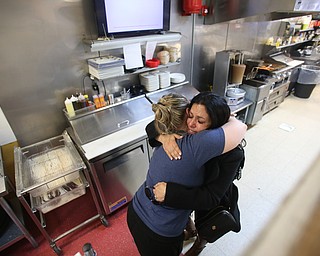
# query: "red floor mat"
114 240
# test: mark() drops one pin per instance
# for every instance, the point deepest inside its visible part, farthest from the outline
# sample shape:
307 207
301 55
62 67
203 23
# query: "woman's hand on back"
170 145
159 191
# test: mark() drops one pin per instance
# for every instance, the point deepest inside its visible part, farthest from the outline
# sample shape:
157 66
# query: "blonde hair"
170 112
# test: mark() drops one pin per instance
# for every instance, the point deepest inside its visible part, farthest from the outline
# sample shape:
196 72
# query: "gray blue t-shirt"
196 150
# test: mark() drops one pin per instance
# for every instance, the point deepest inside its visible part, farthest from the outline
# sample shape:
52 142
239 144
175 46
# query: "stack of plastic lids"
164 79
106 67
150 81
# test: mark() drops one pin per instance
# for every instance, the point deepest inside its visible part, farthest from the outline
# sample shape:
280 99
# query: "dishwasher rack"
52 173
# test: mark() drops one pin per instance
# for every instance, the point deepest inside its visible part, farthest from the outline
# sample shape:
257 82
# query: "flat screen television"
123 18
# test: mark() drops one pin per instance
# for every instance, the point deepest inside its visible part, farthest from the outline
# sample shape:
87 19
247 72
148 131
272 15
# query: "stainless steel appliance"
258 93
119 173
269 86
222 79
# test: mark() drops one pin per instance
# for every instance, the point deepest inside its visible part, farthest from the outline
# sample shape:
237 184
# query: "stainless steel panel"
256 112
44 60
119 175
98 124
257 90
225 10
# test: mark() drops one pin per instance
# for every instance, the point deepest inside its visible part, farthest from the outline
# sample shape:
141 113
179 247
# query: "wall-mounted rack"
109 44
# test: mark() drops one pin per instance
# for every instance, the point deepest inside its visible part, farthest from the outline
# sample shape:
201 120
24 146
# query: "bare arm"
234 131
170 145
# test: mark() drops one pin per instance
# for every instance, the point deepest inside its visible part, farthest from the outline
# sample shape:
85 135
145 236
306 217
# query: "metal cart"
52 173
15 230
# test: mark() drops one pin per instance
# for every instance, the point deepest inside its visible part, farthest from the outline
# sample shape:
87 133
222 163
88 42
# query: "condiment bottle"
102 100
75 103
82 101
96 101
86 98
69 107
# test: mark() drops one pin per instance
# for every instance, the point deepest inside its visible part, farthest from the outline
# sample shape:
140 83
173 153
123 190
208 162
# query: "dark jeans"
150 243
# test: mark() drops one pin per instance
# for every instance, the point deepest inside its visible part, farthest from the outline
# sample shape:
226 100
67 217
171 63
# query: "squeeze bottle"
69 107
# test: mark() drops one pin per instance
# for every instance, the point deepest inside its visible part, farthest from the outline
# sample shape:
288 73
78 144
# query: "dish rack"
52 173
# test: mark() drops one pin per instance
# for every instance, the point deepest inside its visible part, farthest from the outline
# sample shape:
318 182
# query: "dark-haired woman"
205 112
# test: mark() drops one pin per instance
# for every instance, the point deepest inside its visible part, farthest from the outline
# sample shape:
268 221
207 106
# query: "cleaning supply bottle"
69 107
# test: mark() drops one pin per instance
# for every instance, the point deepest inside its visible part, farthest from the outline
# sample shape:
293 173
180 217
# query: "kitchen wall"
43 58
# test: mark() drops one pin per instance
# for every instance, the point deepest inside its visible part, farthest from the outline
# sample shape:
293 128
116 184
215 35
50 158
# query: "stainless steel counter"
313 59
108 129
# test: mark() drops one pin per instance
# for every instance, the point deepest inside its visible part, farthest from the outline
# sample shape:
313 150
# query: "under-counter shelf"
103 45
53 199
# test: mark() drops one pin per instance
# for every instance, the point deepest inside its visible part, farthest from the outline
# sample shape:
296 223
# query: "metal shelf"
109 44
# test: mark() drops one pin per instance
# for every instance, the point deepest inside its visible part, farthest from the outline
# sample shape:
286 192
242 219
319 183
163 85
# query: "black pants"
150 243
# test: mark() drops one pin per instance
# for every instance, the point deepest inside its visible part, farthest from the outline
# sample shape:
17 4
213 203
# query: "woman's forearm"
234 132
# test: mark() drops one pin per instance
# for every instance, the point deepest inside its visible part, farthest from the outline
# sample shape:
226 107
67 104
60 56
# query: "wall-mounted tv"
122 18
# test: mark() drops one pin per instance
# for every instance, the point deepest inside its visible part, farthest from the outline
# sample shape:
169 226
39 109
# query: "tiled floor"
275 162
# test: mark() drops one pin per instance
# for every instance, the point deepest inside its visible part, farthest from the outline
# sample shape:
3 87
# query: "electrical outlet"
95 87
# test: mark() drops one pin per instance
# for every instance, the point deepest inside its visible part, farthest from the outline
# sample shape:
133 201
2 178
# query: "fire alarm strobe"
194 6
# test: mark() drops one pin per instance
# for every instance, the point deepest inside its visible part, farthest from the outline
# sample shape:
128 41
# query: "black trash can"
309 77
303 90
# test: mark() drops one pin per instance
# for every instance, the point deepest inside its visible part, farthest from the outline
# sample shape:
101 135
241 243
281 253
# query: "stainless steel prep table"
114 146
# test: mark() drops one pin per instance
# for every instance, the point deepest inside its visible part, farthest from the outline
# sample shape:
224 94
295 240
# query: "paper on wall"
6 134
150 47
132 56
